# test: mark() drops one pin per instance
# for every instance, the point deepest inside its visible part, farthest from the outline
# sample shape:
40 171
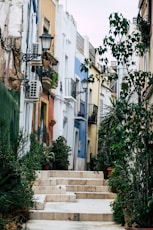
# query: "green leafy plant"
17 176
94 163
61 151
109 126
48 158
118 212
54 77
128 132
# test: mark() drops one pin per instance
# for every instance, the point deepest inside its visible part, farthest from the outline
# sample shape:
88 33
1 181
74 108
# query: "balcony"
81 113
70 89
49 79
48 73
92 113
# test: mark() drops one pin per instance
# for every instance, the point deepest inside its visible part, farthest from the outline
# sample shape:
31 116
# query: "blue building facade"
80 121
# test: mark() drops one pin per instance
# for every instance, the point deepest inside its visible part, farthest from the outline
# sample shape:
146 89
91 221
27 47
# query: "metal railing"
92 113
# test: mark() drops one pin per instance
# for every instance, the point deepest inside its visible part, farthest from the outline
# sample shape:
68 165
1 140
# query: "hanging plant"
144 28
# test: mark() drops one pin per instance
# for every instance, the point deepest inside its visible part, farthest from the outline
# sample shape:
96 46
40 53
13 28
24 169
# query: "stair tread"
75 178
95 192
80 206
60 194
67 225
86 185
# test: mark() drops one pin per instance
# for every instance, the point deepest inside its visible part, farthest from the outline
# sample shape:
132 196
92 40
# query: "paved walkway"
71 225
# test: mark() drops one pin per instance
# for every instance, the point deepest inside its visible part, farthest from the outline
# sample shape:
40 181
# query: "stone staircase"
72 195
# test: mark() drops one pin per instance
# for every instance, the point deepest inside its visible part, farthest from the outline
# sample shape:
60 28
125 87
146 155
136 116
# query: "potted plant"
106 156
132 135
61 151
49 158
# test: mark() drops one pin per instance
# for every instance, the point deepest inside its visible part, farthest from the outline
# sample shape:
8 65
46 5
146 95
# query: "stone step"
45 182
69 181
79 181
47 215
69 225
72 195
42 174
76 174
86 188
81 210
95 195
68 197
58 189
39 201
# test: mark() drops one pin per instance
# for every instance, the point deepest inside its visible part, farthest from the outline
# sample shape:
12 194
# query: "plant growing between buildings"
129 133
106 156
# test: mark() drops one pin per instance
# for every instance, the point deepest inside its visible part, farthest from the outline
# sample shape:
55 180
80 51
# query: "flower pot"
109 171
46 166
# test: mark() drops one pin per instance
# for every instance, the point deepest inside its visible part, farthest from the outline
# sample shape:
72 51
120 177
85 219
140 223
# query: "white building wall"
28 37
65 53
11 17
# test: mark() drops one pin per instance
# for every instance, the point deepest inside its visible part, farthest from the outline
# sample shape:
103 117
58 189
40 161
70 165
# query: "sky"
92 16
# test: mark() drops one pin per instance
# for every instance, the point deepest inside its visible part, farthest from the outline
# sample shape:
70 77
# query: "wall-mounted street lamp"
46 40
84 83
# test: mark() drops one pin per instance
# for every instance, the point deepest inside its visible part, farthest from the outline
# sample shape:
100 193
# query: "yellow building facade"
93 107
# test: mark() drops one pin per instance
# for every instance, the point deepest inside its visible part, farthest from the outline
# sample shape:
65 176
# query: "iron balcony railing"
92 113
81 113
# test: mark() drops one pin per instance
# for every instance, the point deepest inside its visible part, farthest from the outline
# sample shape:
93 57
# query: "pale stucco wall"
65 45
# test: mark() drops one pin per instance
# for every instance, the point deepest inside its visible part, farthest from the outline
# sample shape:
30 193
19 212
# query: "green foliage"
35 158
9 114
144 28
130 141
54 77
126 133
61 150
48 158
94 164
118 212
16 180
110 131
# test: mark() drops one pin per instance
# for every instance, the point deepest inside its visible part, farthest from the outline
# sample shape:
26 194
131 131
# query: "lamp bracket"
29 57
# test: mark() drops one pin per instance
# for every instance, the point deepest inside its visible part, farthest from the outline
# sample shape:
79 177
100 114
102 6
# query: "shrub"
16 180
61 151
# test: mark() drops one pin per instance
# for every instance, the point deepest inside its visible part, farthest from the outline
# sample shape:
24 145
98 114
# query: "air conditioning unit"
33 91
37 52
